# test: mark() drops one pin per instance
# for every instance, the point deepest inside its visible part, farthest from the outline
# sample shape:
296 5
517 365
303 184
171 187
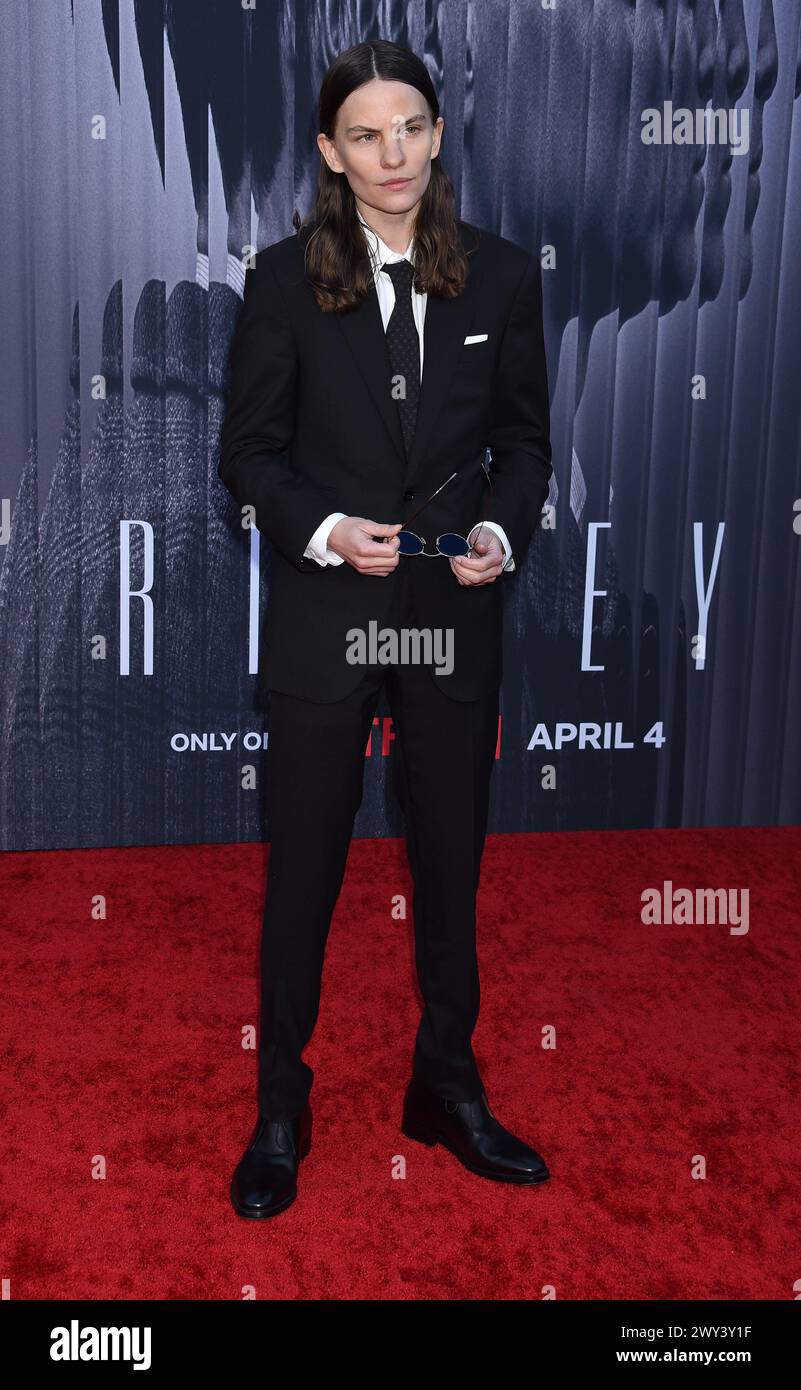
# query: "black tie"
404 348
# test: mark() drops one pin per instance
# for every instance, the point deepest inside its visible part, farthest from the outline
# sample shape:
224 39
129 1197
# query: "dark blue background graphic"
146 147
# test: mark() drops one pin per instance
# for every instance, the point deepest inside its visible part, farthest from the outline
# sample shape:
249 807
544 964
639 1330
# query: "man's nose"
394 153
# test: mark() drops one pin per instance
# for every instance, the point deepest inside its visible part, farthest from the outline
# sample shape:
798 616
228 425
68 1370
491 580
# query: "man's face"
384 133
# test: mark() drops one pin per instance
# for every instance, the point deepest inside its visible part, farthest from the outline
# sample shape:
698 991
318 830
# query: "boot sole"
432 1138
254 1214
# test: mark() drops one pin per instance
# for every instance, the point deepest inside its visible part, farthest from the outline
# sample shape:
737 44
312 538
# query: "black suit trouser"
442 760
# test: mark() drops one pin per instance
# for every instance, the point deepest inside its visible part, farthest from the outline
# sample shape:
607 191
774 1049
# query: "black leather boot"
471 1132
265 1179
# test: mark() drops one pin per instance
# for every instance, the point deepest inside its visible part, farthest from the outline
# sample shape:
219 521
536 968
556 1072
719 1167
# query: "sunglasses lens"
450 544
410 544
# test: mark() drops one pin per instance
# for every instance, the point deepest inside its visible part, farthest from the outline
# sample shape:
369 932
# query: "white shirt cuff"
317 549
508 561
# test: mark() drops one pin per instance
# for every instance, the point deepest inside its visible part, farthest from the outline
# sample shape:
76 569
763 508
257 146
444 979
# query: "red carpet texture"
654 1064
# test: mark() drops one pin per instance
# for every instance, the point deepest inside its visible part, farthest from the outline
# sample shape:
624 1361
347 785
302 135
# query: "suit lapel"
364 333
446 326
447 323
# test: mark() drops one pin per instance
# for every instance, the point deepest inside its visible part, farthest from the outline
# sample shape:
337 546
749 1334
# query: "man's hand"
352 538
484 564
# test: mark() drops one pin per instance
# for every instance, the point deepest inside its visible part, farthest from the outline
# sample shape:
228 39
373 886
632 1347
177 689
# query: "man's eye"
408 130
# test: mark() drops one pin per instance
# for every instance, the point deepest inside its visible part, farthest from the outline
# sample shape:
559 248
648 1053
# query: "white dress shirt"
318 549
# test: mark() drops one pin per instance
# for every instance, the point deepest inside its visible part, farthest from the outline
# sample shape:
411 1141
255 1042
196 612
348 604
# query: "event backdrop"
651 152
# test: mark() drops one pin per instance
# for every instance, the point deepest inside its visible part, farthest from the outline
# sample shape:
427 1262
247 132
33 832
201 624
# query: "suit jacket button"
407 496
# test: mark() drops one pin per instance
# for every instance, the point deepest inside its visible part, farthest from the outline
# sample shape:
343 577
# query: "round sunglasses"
449 543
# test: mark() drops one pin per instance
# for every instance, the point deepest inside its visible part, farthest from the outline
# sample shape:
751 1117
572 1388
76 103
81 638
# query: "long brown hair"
337 259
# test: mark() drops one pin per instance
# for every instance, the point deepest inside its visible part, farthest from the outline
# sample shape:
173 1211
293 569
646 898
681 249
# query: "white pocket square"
476 338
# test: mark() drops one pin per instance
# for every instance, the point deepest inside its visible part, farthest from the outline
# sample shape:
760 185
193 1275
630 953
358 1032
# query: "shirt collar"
379 249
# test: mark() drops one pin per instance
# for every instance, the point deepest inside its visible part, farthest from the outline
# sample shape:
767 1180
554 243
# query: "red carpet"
122 1042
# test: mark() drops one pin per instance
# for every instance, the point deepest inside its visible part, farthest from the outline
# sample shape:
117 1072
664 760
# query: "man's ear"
439 126
328 150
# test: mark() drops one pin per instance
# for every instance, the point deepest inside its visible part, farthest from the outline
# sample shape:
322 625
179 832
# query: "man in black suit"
335 422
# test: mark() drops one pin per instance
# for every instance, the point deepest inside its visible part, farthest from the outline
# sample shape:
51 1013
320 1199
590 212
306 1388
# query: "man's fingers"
371 547
382 553
367 563
471 583
379 538
482 564
478 569
374 557
381 528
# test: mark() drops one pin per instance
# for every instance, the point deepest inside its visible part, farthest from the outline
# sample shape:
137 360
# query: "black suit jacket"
311 427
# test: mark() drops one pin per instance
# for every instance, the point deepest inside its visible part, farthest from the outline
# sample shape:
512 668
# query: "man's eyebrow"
374 131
